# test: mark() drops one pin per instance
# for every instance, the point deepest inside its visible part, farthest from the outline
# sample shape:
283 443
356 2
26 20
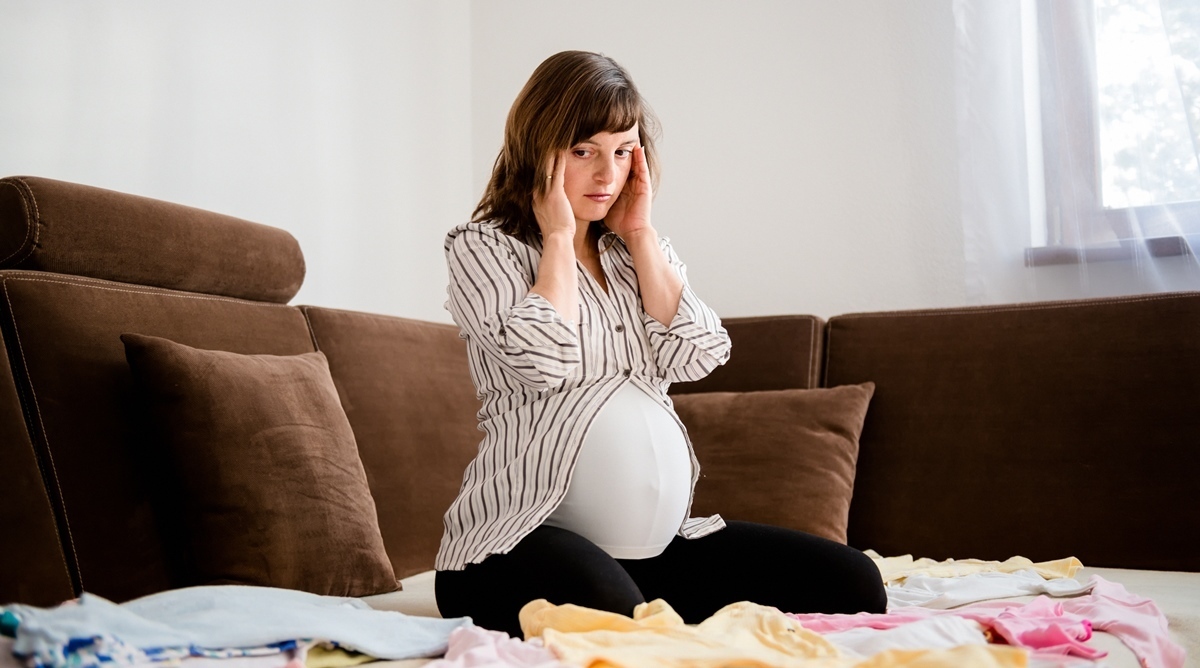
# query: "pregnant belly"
630 487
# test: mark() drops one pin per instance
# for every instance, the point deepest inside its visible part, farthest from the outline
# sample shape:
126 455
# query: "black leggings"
791 570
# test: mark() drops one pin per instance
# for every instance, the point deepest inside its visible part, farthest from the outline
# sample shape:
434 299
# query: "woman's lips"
599 197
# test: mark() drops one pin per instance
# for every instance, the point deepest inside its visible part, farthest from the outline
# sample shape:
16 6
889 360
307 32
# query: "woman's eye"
623 153
581 152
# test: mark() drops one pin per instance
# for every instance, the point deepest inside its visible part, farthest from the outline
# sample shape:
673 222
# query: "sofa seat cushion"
797 449
1177 595
269 479
416 597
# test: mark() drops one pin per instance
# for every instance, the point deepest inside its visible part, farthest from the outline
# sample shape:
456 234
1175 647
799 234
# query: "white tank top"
630 486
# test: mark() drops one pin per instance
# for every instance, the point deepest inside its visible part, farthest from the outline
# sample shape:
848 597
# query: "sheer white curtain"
1078 134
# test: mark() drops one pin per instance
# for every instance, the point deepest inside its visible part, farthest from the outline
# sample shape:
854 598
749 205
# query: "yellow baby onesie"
894 569
741 634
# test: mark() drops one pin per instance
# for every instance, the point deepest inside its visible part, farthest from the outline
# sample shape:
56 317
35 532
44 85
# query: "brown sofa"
1044 430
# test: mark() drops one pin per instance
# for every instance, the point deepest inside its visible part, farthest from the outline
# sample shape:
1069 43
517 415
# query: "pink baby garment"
475 647
1041 625
1137 621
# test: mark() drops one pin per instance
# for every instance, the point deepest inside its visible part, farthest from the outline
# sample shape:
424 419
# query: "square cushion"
406 388
63 335
781 457
269 479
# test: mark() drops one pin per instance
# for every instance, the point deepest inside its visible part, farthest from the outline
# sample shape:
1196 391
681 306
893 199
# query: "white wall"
343 123
809 151
809 161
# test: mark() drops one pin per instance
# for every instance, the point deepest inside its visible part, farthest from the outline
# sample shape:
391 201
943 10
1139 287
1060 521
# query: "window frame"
1068 91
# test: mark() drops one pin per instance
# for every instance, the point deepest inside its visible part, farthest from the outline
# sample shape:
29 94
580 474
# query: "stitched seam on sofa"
162 292
36 227
379 317
765 318
312 334
72 279
62 502
828 353
1077 303
813 370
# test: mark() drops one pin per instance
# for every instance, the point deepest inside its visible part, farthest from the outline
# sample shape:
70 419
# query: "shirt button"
619 328
626 372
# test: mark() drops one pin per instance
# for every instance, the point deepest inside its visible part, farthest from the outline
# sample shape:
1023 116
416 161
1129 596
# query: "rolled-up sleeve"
489 299
694 343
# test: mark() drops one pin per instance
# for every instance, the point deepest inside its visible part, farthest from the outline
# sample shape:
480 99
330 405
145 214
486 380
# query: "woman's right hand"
551 206
557 278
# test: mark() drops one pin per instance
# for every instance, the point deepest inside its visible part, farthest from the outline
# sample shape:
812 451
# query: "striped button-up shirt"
542 379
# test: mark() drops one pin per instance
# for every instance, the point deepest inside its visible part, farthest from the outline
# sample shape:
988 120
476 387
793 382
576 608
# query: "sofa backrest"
1046 430
778 352
67 366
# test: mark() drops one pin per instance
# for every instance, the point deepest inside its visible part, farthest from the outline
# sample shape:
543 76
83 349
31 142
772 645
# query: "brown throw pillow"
783 457
270 484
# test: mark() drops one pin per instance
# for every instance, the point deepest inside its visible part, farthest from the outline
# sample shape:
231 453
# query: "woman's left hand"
631 212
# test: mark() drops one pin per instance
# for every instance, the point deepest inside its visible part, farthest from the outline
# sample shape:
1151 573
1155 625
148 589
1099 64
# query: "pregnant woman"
577 317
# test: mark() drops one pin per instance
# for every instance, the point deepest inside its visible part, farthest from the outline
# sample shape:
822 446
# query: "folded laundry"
950 592
106 651
904 566
226 617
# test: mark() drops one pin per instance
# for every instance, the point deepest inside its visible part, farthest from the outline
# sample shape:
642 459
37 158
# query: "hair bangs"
615 108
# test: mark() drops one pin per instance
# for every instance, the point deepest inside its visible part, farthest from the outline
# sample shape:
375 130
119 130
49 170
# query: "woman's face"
596 171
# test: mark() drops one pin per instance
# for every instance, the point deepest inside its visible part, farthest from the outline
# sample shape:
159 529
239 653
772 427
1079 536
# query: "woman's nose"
606 169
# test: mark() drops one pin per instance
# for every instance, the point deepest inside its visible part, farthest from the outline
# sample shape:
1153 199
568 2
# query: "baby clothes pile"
1055 626
246 627
940 614
951 613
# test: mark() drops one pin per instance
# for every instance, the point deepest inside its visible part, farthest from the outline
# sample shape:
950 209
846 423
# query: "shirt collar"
608 239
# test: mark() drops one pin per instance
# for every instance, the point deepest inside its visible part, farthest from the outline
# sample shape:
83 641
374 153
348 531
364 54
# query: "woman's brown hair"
570 97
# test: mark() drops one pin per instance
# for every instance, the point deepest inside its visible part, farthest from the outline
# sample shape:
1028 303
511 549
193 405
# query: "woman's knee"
810 571
864 584
572 569
550 563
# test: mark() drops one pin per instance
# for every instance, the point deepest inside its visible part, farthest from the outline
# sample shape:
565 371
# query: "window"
1118 86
